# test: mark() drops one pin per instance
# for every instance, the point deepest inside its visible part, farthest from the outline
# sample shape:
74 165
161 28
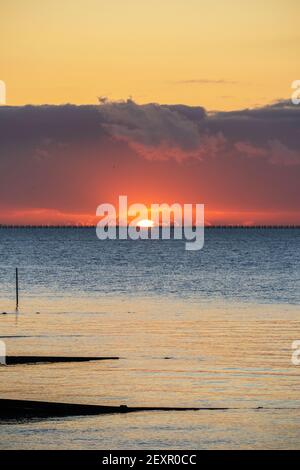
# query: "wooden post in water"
17 289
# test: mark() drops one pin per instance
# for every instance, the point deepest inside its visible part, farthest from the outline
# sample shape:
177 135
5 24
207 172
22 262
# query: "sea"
209 328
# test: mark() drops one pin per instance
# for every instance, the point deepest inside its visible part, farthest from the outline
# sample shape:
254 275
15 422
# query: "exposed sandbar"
14 360
24 409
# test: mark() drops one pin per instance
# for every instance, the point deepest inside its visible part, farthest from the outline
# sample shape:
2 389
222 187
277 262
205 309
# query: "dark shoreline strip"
18 410
22 409
14 360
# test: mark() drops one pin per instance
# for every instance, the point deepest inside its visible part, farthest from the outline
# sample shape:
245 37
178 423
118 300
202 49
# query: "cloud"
67 159
153 130
282 155
182 132
156 132
206 81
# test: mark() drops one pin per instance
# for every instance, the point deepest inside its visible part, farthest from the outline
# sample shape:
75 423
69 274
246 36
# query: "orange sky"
221 54
52 217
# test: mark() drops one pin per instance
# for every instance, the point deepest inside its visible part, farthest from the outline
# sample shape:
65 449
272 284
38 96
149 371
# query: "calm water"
207 328
240 265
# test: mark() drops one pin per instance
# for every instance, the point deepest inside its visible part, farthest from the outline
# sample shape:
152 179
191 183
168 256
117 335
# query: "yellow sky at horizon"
221 54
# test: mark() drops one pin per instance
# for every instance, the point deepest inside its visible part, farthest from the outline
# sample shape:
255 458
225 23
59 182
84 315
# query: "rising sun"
145 223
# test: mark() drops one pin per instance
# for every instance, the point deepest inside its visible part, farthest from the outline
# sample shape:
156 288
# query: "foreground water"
213 328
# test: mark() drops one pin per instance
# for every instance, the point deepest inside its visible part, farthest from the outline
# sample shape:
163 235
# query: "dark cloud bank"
71 158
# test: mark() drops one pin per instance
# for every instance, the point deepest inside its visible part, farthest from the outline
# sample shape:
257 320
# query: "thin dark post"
17 289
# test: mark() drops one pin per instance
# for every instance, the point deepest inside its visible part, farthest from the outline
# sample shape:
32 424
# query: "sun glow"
145 223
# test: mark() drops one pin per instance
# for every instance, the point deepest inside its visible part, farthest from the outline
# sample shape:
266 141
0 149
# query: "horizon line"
245 226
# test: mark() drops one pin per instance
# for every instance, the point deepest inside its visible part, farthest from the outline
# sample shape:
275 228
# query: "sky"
195 108
222 54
